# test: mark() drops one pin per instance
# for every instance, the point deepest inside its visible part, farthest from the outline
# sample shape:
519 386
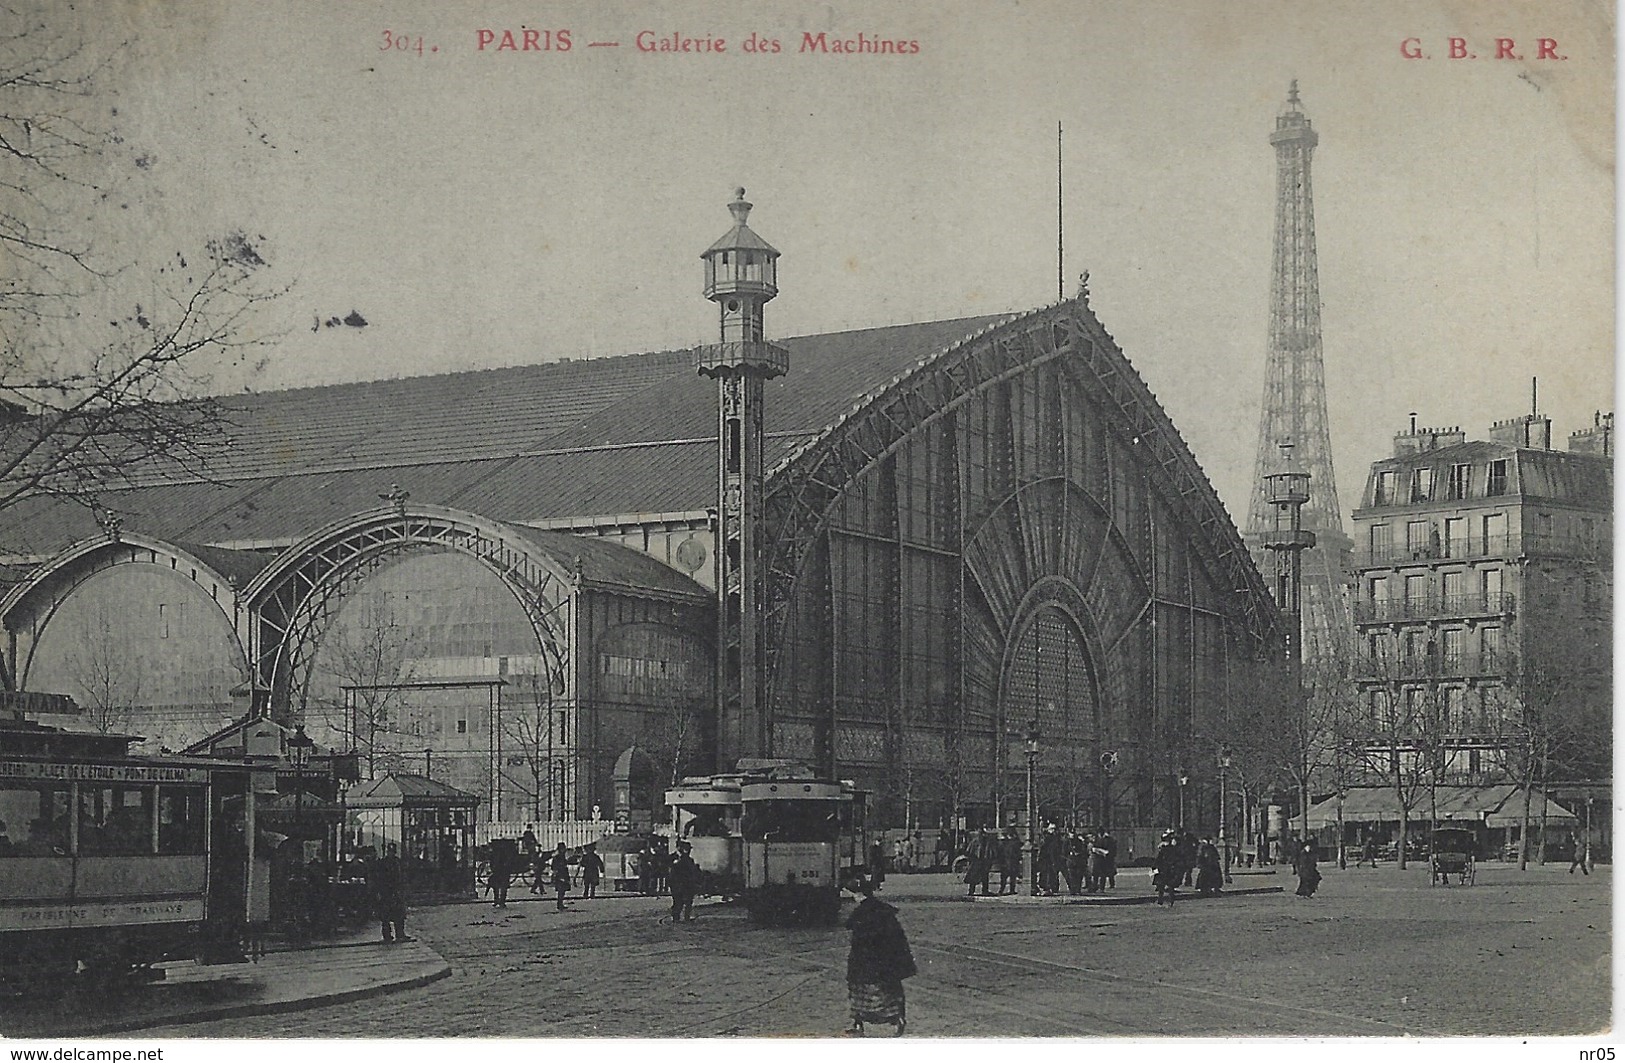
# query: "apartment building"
1481 564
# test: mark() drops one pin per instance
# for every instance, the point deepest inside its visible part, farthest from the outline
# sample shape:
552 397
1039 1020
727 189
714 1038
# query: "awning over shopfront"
1493 806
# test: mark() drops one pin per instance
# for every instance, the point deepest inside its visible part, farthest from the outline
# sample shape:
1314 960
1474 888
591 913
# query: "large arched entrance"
294 601
1049 683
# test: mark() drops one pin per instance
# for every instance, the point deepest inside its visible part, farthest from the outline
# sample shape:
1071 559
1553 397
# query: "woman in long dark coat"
1303 864
877 963
1209 871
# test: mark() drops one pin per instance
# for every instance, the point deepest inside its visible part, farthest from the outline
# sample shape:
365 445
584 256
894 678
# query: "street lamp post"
1184 780
1032 807
299 747
1224 809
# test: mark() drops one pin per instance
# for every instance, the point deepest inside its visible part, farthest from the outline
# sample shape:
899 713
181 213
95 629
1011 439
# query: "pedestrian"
1051 857
1580 853
877 862
1209 872
1368 852
1010 862
504 862
1106 846
592 871
1077 862
1167 868
684 876
977 864
877 963
388 893
1303 865
1187 854
559 868
528 851
942 853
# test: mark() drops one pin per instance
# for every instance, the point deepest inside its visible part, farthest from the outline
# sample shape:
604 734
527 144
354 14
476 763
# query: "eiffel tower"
1295 396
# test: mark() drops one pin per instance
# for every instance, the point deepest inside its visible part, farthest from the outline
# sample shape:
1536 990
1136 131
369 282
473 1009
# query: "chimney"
1421 440
1598 439
1532 431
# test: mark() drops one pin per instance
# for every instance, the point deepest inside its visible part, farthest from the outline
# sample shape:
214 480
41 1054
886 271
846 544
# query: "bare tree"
91 397
372 659
530 741
1555 721
1401 732
100 662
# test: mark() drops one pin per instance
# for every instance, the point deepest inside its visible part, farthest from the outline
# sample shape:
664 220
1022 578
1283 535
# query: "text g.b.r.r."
1459 48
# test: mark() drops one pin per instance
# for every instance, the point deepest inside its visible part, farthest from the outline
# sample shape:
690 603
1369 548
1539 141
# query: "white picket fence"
573 833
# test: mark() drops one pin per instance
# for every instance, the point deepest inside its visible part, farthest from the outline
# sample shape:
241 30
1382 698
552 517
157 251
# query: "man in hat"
592 870
1167 868
1051 855
684 878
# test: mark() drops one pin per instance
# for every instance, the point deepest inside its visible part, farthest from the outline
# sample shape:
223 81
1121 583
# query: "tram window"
115 820
33 819
180 820
791 821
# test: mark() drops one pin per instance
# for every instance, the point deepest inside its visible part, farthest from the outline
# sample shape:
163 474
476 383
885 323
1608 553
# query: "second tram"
110 862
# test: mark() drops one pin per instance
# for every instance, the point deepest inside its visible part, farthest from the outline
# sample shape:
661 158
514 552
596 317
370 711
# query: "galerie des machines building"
889 553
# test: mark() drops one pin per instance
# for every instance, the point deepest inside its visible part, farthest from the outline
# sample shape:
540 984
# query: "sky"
485 208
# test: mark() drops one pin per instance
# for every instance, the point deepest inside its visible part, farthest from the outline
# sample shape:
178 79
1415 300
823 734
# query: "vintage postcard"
1001 519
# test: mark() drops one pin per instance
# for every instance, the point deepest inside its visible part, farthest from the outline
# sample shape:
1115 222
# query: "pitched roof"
627 434
399 788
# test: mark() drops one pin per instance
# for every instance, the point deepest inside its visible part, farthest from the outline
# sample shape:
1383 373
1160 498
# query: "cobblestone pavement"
1375 953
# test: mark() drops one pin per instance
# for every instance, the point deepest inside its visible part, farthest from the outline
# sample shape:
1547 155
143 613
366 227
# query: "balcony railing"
1467 548
1433 606
1434 666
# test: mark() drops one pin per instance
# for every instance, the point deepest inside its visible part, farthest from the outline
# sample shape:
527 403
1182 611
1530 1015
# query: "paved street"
1375 953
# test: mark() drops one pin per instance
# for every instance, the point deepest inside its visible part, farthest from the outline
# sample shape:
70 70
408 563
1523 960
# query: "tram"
112 862
705 813
776 835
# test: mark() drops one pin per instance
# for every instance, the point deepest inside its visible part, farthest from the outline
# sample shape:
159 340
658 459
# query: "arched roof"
227 568
604 436
806 480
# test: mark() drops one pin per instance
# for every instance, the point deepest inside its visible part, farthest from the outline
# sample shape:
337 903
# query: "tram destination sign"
66 772
103 913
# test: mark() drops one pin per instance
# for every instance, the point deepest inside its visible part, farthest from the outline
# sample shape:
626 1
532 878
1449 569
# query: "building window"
1417 537
1377 589
1421 485
1461 479
1490 582
1455 537
1543 524
1495 533
1381 540
462 727
1385 487
1498 478
1416 588
1450 649
1489 644
1454 721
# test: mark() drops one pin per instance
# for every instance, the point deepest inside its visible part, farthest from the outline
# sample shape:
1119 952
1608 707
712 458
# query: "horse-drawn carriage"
1455 852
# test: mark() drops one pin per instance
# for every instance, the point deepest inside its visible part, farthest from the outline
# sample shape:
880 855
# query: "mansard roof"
1573 477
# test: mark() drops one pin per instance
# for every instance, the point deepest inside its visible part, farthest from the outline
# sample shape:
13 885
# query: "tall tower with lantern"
741 275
